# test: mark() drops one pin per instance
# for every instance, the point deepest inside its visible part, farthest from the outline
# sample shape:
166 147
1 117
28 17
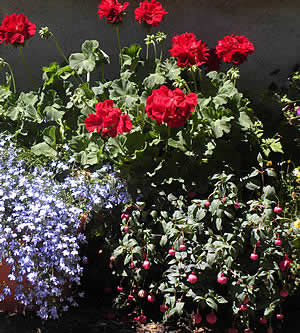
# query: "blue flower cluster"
39 225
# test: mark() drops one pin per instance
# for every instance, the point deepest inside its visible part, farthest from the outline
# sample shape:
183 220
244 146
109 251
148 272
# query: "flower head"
171 107
234 49
285 264
213 61
112 10
107 119
16 29
150 12
188 50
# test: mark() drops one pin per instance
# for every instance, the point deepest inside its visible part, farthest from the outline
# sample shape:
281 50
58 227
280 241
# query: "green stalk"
155 51
194 79
147 52
25 64
12 77
102 73
65 58
119 43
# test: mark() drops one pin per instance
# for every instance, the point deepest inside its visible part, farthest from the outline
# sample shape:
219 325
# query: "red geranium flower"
213 61
172 107
234 49
150 12
16 29
112 10
188 50
108 119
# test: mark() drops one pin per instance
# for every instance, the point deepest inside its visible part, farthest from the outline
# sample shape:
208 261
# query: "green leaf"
154 80
123 91
245 121
163 240
221 126
82 63
211 303
172 71
53 114
219 100
176 144
44 149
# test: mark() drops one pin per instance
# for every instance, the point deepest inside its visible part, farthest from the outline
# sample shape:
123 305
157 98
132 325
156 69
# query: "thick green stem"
12 77
161 51
155 51
25 64
147 52
119 43
194 79
102 73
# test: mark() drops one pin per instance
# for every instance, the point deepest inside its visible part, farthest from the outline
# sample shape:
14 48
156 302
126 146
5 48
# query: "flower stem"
119 43
59 49
194 79
25 64
12 77
154 47
102 73
147 52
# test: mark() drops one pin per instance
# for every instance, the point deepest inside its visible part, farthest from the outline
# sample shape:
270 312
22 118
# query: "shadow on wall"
272 26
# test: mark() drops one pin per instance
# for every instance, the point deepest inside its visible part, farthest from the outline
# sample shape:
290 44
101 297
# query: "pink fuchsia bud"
243 307
126 228
246 300
253 256
131 265
211 318
125 216
279 316
224 199
222 279
146 265
142 319
151 298
277 209
112 258
120 289
285 264
171 252
284 293
130 298
197 318
182 247
248 330
263 321
163 308
237 205
207 203
278 242
298 112
192 278
258 243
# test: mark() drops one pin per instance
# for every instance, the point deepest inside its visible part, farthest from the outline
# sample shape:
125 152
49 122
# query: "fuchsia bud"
284 293
211 318
243 307
197 318
280 316
172 252
222 279
253 256
119 289
192 278
207 203
163 308
278 242
146 265
237 205
277 209
151 298
182 247
263 320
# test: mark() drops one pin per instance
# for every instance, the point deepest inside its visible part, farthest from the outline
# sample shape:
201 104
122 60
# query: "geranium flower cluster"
189 51
110 121
149 12
171 107
39 235
16 29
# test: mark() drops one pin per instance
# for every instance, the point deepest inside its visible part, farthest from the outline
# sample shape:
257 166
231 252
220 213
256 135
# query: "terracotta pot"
9 304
